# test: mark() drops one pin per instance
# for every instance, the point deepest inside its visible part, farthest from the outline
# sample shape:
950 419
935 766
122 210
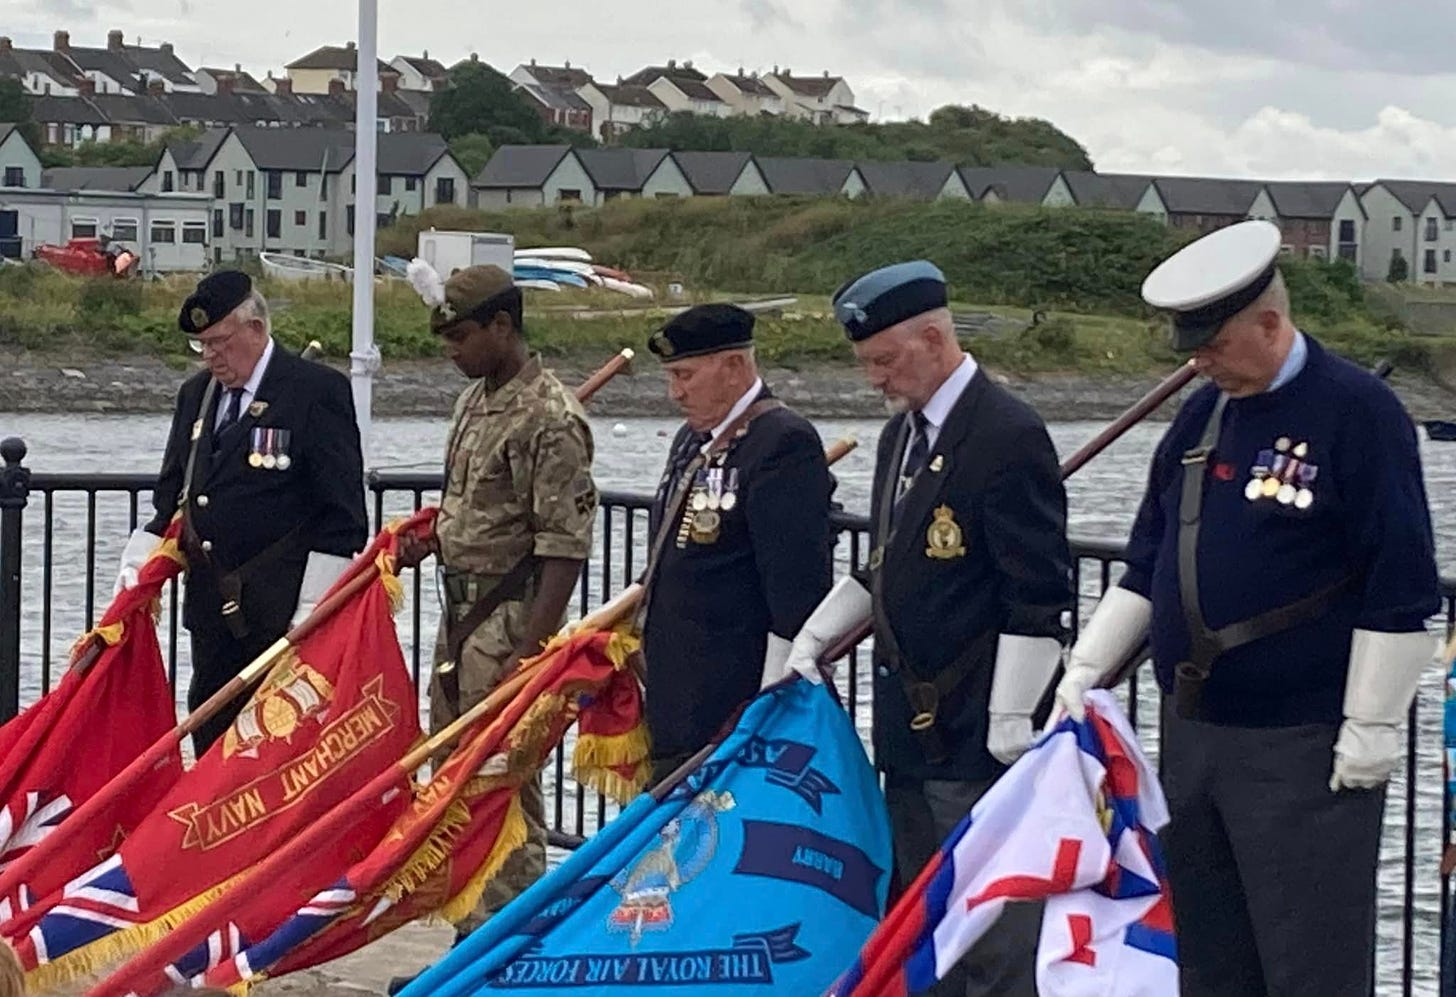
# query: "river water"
630 453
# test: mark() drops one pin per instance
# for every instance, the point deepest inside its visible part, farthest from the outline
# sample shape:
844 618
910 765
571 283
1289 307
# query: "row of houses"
1367 223
129 91
246 190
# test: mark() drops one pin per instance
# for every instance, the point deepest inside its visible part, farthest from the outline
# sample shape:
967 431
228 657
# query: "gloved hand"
1024 667
1115 630
775 660
1385 669
846 606
319 574
139 547
412 550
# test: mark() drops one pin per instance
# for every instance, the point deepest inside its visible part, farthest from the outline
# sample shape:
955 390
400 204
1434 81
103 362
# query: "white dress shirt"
739 407
250 388
938 409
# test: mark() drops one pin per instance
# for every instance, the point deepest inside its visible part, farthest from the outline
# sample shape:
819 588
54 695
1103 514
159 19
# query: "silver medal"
1254 489
1286 494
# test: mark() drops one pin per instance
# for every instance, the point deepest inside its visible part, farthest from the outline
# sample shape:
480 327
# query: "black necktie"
915 457
229 416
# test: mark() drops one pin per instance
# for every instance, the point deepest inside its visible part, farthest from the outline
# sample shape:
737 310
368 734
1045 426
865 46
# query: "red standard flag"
107 709
439 854
332 712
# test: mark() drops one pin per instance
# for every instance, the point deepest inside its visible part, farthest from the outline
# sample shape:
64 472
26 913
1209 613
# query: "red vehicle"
89 257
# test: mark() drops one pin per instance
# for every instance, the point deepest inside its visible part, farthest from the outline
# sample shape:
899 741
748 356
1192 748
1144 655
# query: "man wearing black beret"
739 532
263 462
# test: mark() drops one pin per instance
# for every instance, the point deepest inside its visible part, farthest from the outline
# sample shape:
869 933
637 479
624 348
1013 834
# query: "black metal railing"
50 526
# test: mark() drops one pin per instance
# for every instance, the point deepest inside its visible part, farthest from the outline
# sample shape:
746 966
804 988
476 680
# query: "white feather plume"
426 281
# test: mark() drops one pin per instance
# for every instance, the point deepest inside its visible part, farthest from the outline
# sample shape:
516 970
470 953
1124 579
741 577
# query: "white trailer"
451 251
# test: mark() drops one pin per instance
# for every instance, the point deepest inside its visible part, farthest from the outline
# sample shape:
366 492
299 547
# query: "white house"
530 176
679 93
649 173
1398 215
746 94
168 231
19 164
420 73
618 109
717 174
822 99
1318 219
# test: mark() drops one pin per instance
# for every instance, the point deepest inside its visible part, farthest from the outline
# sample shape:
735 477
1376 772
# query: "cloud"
766 14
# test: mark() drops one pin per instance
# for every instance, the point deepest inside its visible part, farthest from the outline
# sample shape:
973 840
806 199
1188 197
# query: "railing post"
14 493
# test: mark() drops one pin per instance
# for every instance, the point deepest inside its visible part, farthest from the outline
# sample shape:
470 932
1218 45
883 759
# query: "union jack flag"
91 907
321 911
21 832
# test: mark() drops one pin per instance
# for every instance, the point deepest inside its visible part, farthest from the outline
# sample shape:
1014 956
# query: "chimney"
776 69
224 84
567 64
533 62
283 86
336 87
5 44
86 87
114 41
155 87
166 48
688 64
474 56
238 68
63 41
826 74
349 46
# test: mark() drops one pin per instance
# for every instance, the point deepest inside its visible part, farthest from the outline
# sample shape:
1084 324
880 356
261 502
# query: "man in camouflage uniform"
514 525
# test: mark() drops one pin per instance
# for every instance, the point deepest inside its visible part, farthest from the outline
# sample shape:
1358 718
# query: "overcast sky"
1340 89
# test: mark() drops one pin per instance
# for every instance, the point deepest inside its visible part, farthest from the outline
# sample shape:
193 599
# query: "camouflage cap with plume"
475 292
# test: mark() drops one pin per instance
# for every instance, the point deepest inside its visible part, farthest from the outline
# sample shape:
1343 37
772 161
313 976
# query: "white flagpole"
364 357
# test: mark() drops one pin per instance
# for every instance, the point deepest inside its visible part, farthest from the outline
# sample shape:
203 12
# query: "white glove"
1385 669
1117 627
846 606
1024 668
321 571
139 547
775 659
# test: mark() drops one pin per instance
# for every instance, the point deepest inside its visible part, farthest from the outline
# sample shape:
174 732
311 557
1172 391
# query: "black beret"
216 296
701 330
888 296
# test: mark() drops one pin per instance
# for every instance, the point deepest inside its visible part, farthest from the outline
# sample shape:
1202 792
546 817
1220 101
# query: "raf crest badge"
257 408
199 317
944 536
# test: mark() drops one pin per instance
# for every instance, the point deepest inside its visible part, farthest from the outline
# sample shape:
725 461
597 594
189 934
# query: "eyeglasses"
217 345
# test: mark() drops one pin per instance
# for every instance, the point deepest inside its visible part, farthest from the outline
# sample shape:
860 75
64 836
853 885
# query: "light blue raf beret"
888 296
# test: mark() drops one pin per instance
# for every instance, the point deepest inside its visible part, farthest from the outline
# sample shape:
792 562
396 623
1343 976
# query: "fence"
55 521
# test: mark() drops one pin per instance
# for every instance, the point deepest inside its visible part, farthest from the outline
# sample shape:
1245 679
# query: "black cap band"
1192 329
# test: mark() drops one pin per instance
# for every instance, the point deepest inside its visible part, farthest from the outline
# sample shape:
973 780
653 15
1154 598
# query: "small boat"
392 266
612 272
555 253
627 287
539 285
89 257
1439 429
281 266
544 273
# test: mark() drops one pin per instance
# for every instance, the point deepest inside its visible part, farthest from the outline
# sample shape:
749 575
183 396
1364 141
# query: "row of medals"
1282 475
264 449
711 495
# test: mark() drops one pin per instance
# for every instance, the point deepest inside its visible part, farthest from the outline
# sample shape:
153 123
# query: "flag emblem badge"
686 845
292 695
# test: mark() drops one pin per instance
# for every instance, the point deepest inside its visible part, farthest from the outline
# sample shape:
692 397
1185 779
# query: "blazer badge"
944 536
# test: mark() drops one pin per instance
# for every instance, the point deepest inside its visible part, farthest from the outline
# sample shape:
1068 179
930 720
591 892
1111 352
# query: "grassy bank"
1077 271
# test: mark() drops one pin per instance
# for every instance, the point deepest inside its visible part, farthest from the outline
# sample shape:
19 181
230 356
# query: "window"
167 180
1395 223
380 221
124 229
251 189
217 228
239 180
353 185
385 184
1446 256
1317 252
300 179
1286 250
445 190
1450 224
1430 265
194 233
235 215
1347 230
349 218
1433 230
1350 251
248 223
409 184
323 187
568 194
275 185
83 228
323 224
300 218
217 183
14 176
664 194
164 232
275 223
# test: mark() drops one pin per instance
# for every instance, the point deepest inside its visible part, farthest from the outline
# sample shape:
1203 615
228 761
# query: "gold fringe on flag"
597 756
105 953
431 854
109 635
512 836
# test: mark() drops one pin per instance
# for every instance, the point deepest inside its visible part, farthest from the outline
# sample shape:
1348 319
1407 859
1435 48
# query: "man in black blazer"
740 535
263 462
969 585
